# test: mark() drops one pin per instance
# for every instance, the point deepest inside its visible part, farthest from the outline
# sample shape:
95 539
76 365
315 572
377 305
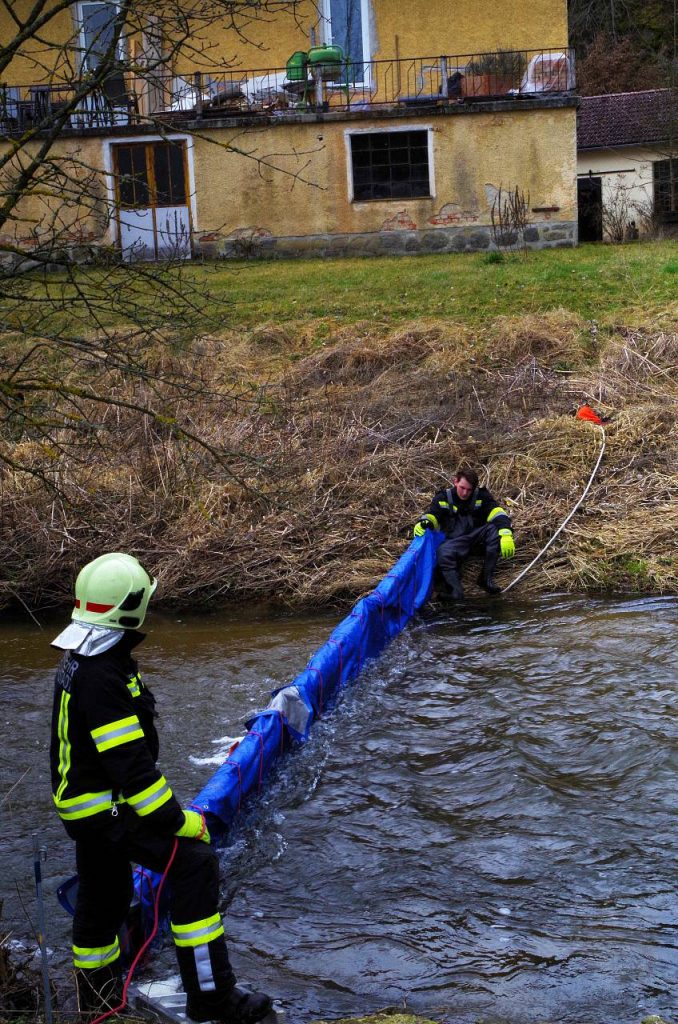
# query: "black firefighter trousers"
105 891
452 552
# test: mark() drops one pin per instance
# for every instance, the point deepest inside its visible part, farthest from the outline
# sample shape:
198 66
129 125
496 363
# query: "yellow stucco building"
342 126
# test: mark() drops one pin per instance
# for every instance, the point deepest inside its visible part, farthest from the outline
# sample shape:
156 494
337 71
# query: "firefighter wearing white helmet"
114 591
118 807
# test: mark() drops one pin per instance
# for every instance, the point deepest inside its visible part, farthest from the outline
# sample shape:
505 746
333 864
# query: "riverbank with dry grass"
322 442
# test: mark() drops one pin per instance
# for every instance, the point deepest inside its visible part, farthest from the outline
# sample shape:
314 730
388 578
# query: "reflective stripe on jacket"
455 516
104 742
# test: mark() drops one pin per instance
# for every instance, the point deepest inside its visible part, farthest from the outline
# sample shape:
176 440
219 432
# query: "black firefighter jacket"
456 517
104 745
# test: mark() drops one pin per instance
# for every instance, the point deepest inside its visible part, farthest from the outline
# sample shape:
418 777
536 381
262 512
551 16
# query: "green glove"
426 522
194 827
506 543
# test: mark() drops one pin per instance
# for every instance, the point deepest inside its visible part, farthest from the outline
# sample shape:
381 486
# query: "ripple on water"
485 825
491 830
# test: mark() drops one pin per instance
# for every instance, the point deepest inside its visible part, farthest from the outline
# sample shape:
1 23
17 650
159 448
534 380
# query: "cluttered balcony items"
316 81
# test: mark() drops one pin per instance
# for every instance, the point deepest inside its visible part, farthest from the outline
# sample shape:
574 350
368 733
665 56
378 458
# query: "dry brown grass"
337 439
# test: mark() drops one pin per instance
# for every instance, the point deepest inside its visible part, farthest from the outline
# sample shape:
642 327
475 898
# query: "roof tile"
627 118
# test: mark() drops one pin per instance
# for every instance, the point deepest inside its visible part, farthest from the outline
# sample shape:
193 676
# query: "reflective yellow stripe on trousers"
198 933
91 957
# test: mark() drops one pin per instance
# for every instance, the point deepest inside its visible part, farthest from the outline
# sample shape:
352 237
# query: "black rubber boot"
455 591
486 578
99 990
235 1006
488 584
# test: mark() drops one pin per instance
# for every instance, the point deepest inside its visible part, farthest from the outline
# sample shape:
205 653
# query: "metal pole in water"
39 856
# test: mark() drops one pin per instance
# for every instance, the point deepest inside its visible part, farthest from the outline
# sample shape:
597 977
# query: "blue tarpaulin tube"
360 637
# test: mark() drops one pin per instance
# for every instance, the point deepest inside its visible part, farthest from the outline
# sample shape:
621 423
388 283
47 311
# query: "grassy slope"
361 385
593 281
624 283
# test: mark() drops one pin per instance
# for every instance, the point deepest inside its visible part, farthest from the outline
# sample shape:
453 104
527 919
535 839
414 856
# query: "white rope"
565 521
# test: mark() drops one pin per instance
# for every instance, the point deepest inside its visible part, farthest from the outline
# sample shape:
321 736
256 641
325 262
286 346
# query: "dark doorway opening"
590 207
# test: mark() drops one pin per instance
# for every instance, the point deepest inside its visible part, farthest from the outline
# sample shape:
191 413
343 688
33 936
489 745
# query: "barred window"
390 165
666 190
150 174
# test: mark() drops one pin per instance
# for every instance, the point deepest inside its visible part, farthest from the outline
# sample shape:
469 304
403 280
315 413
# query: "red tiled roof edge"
627 119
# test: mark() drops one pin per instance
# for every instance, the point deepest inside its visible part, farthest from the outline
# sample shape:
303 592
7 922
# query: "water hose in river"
293 708
287 719
567 519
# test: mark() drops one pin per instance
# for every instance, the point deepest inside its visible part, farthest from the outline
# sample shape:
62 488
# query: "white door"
153 214
137 234
173 233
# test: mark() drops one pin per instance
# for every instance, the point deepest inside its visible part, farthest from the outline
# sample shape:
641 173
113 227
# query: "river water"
485 826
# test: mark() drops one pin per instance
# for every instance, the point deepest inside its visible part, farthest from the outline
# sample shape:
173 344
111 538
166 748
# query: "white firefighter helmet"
114 591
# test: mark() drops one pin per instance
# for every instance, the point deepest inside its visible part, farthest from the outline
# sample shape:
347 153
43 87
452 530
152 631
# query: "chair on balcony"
120 101
548 72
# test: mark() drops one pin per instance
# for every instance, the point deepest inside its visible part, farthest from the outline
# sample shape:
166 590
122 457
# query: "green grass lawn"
627 283
598 282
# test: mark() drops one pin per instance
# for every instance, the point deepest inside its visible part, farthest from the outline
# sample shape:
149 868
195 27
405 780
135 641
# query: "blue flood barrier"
370 625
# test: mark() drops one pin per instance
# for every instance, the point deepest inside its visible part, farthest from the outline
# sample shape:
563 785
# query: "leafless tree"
65 303
106 385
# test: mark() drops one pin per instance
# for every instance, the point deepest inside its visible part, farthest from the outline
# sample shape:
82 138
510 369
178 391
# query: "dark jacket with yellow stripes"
104 745
454 515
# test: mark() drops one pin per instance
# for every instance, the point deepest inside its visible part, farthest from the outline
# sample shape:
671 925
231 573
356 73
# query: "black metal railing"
354 86
39 107
336 85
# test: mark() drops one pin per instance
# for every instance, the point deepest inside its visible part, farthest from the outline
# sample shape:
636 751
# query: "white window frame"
428 128
326 33
82 43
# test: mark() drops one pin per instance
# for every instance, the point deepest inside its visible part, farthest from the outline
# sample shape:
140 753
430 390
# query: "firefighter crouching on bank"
473 523
119 808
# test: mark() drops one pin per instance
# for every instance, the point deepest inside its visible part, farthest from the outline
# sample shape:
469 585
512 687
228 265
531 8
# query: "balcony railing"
334 86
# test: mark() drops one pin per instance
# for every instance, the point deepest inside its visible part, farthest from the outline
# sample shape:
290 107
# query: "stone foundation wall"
474 238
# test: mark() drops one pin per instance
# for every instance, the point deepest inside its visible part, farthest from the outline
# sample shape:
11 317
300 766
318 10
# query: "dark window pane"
132 177
361 159
98 26
666 189
390 165
140 176
177 176
168 162
162 176
125 187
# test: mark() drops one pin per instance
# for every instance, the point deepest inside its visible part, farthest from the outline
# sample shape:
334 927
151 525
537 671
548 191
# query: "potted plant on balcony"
494 74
